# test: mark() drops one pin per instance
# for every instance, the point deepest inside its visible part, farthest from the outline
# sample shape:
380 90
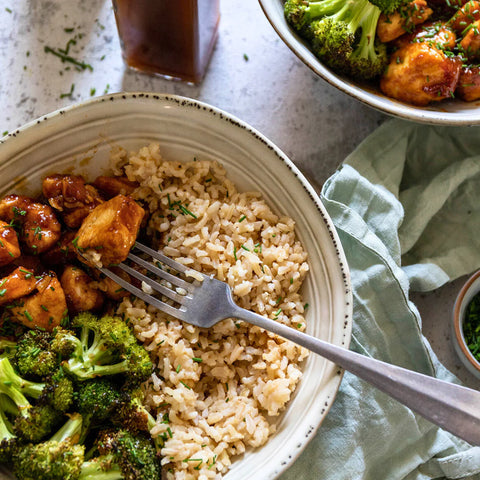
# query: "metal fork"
204 303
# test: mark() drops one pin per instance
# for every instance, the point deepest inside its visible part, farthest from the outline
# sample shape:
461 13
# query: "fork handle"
452 407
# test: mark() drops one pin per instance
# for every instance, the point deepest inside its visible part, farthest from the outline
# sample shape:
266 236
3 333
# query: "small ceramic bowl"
467 293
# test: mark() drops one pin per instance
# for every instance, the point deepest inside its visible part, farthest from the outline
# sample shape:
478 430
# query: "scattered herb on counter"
9 10
67 58
471 326
68 94
107 88
4 133
245 57
92 91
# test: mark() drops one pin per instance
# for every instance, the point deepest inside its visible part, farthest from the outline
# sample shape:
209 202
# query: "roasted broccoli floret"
34 357
390 6
134 454
7 347
132 415
106 346
31 422
121 456
64 342
8 440
346 40
59 458
58 392
342 34
301 13
96 400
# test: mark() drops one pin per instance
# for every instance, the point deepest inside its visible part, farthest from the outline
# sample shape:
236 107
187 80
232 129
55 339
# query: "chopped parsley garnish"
471 326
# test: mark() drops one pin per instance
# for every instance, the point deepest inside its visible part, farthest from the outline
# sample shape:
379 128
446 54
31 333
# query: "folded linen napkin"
406 205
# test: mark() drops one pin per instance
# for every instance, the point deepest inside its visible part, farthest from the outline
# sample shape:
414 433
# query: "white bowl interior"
453 112
79 140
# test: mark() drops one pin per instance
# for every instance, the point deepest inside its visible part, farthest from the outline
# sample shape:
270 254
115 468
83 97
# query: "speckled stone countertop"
252 75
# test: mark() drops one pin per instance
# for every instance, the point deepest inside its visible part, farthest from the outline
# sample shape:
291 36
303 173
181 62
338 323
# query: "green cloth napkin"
406 206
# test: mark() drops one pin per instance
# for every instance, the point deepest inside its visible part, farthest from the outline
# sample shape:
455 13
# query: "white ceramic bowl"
78 139
452 112
465 296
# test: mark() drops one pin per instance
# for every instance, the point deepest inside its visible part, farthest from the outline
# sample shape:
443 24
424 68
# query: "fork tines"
181 288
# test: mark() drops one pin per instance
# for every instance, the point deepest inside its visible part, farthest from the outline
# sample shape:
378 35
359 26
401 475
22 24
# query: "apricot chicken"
70 195
9 247
110 230
44 308
35 222
80 290
113 186
420 71
468 87
19 283
43 280
392 26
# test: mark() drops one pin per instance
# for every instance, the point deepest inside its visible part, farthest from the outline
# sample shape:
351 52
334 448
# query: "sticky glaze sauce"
168 38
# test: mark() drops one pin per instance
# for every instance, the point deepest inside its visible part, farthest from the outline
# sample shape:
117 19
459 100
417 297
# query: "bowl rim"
378 101
458 321
9 143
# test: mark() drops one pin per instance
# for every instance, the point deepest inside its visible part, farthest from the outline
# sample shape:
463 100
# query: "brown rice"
216 392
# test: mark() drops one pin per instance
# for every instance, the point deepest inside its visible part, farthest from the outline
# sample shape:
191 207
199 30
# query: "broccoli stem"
101 468
86 362
366 45
7 347
352 13
5 431
12 381
84 371
70 430
325 7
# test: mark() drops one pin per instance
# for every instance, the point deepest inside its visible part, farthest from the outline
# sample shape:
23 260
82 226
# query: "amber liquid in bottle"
173 38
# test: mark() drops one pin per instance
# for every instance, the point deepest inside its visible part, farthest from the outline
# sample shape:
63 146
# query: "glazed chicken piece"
70 195
468 87
9 247
45 308
19 283
419 71
113 186
445 8
80 290
466 23
63 252
112 289
392 26
110 230
38 226
470 42
469 13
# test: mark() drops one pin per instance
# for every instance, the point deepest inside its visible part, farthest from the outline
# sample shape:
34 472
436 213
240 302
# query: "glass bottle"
171 38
